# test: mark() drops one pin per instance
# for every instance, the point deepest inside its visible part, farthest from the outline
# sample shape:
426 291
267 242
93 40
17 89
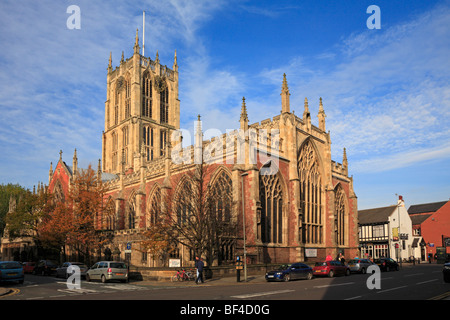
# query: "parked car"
330 268
446 272
359 265
62 271
11 271
387 264
28 267
45 267
287 272
108 270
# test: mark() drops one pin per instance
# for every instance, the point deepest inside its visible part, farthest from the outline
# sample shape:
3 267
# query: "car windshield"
118 265
283 267
10 265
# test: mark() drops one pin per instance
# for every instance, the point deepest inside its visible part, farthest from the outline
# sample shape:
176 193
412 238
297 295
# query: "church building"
297 203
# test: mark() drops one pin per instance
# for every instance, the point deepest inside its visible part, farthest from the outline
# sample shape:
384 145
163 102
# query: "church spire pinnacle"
321 116
244 116
285 104
110 62
136 42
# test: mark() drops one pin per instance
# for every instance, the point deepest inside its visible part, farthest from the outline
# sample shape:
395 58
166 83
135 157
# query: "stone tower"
141 110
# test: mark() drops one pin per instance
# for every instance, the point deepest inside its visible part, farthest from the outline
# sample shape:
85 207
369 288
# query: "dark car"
446 272
11 271
64 271
287 272
387 264
45 267
330 268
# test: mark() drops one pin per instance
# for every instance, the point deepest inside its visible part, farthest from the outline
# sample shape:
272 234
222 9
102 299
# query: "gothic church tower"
141 110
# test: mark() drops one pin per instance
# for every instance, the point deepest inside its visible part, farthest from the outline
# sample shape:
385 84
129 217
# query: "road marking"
260 294
414 274
391 289
426 281
357 297
333 285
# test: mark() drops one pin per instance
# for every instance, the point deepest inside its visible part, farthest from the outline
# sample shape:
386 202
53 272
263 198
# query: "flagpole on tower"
143 33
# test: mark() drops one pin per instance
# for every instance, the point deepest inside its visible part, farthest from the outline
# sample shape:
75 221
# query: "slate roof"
426 207
419 218
376 215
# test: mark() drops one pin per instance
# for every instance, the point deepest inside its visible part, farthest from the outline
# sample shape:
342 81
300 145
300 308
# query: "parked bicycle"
183 275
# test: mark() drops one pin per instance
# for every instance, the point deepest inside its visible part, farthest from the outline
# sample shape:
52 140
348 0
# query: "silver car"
359 265
108 270
64 272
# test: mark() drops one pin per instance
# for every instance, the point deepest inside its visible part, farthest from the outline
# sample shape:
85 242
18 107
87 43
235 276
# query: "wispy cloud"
388 93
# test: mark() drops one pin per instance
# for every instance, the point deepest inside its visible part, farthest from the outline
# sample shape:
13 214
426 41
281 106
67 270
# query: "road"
420 282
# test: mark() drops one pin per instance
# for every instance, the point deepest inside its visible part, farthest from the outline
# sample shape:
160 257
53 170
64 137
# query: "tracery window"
125 141
114 151
311 201
131 213
147 95
148 142
221 206
164 105
154 211
109 217
271 197
339 216
127 99
58 192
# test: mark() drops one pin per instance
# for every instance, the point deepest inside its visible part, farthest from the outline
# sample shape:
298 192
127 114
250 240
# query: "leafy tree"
6 192
198 214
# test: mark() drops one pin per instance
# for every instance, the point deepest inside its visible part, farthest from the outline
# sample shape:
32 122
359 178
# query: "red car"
28 267
330 269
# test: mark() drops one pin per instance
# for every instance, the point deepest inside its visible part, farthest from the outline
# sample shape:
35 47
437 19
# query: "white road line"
414 274
260 294
334 285
427 281
391 289
353 298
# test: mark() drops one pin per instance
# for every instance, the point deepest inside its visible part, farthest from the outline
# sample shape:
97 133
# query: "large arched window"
147 93
184 203
311 201
148 142
271 197
58 192
109 219
164 105
154 211
221 207
130 222
339 215
127 88
114 147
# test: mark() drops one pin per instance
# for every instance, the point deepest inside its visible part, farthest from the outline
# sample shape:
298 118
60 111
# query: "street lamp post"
243 225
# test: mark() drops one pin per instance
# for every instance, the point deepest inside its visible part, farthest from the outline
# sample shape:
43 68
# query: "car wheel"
387 269
331 274
347 272
309 276
447 278
287 277
363 270
103 278
88 279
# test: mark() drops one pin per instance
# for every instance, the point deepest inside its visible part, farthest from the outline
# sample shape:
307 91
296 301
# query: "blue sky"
386 92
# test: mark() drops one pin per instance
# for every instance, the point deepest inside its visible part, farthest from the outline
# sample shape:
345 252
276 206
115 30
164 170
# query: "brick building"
431 222
298 203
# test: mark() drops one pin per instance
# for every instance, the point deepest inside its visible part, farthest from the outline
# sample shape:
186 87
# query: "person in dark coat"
199 265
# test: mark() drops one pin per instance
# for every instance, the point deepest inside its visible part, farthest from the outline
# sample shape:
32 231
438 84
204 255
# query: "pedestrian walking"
199 265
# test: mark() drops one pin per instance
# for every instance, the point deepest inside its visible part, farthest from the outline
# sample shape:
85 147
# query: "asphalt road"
420 282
